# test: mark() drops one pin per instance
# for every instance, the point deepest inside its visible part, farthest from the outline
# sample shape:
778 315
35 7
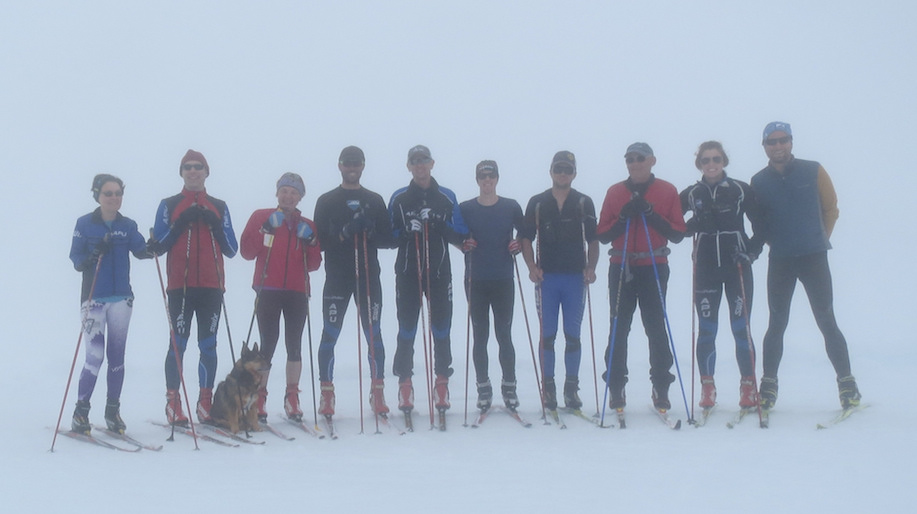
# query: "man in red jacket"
638 205
282 242
196 231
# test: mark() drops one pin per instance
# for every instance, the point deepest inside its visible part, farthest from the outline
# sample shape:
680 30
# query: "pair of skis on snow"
133 445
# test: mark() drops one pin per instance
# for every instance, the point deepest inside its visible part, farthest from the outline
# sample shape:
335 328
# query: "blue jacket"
794 205
114 270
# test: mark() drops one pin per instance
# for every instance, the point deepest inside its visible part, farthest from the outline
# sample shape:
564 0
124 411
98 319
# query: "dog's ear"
255 348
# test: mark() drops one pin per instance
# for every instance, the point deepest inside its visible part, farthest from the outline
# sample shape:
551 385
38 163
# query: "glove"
153 247
426 214
514 247
211 218
304 232
414 225
272 222
102 247
469 245
702 221
636 207
358 224
745 257
188 216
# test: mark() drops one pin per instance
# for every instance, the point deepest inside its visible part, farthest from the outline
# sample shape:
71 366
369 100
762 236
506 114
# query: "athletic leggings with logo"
336 297
407 301
99 317
204 303
710 283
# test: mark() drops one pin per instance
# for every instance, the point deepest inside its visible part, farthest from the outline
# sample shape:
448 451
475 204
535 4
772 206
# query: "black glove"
702 221
636 207
211 218
358 224
102 247
154 247
187 217
413 225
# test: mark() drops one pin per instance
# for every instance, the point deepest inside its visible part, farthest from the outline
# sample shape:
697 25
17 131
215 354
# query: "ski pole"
693 321
308 292
76 353
595 375
528 330
269 242
432 365
614 321
423 320
538 310
356 302
373 367
751 345
467 330
173 337
665 315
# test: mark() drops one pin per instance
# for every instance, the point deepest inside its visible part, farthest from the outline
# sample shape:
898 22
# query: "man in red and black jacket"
639 205
195 230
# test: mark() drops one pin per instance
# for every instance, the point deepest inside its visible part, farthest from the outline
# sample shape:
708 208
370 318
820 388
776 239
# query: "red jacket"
665 201
285 269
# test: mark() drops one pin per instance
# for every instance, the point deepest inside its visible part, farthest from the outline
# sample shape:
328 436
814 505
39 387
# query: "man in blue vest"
800 209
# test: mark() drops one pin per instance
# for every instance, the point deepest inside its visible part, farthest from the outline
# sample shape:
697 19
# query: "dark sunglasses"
109 194
636 158
492 174
707 160
189 167
563 170
351 164
778 141
420 160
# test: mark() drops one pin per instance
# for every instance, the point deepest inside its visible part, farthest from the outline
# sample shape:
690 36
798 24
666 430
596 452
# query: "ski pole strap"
662 251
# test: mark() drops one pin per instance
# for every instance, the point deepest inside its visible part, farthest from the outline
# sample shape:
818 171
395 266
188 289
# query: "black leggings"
499 296
294 306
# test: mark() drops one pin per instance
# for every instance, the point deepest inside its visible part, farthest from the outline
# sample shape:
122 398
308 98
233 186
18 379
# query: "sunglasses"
707 160
109 194
492 174
351 164
420 160
563 170
635 158
778 141
189 167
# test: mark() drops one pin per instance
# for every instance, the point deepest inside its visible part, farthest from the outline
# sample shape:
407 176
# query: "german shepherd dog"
234 403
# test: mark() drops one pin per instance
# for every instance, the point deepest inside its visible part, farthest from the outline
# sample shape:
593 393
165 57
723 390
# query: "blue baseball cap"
777 126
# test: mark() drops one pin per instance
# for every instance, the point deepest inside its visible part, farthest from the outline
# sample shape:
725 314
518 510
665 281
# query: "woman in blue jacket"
102 242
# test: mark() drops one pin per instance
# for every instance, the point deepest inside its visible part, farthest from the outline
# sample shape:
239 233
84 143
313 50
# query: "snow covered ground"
115 87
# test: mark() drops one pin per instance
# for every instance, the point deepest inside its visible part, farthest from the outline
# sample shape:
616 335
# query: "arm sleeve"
828 198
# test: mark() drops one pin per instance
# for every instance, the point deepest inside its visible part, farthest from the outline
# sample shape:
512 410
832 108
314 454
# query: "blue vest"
792 210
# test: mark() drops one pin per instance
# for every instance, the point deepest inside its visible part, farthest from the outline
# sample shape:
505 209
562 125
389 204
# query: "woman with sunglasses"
101 247
722 250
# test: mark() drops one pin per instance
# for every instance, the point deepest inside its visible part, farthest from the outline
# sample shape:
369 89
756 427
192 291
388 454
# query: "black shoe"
848 392
80 423
661 397
618 399
113 416
485 395
767 392
550 394
571 397
510 399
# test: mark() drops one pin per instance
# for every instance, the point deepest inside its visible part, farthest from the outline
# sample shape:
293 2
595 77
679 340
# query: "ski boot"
377 397
485 395
510 399
80 423
326 403
405 395
768 392
661 397
291 403
441 393
113 416
748 396
707 392
550 394
848 392
204 404
174 414
571 397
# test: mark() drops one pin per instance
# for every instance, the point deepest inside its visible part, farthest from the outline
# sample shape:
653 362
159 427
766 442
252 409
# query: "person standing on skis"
196 231
562 265
425 220
490 250
353 223
722 251
102 243
640 204
282 242
799 207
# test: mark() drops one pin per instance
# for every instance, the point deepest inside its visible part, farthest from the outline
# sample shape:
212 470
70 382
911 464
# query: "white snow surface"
271 87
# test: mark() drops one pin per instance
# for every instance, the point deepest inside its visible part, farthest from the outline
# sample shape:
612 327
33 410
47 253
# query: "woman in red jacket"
282 242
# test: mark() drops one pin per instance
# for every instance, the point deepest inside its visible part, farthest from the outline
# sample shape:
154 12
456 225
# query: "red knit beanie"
194 155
